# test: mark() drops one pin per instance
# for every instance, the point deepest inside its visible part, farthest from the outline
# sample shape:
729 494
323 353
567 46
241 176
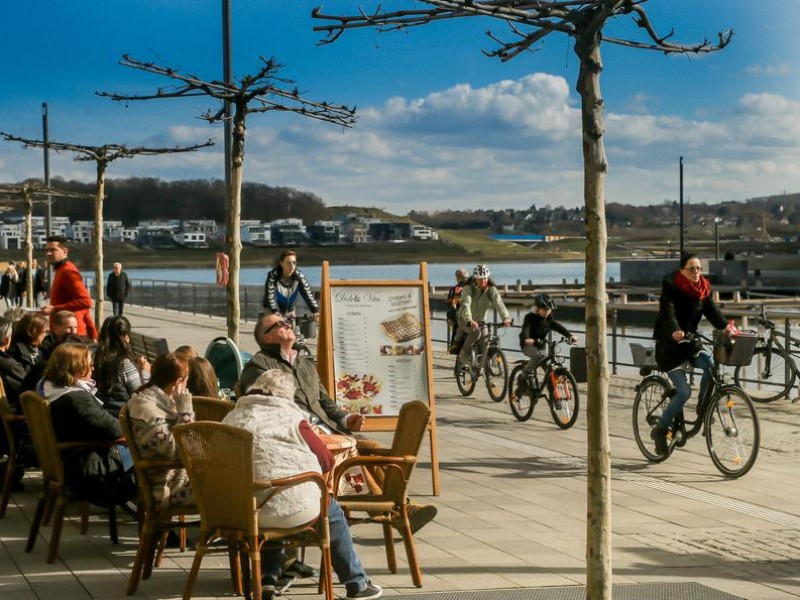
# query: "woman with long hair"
29 333
117 371
284 284
202 379
154 410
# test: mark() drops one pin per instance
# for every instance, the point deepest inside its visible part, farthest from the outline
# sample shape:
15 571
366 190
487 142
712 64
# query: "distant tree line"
141 199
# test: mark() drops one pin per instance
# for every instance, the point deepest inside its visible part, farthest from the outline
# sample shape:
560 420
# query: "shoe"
659 436
268 583
299 570
368 593
420 515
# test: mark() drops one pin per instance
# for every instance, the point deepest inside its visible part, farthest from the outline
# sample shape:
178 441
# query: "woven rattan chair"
389 505
54 488
11 423
219 459
210 409
155 520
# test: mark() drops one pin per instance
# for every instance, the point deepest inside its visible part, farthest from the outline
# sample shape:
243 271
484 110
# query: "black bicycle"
557 386
775 368
305 327
487 358
725 415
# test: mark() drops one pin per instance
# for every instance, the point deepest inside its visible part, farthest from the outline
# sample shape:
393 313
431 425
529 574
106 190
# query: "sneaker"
268 583
299 570
420 515
659 436
369 592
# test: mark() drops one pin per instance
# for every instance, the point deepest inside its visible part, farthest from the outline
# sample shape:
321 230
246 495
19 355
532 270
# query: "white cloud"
771 70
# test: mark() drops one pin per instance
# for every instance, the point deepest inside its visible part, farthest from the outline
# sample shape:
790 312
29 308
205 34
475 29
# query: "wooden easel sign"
374 351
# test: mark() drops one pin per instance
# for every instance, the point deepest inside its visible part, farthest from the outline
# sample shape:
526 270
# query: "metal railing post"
614 341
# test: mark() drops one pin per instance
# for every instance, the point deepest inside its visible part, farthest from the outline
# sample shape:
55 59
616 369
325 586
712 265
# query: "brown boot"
420 515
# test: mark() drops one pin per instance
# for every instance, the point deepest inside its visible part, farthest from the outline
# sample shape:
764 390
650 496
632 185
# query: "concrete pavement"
511 513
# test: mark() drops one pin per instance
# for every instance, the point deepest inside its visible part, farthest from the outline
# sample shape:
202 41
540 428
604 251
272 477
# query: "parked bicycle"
305 328
487 358
775 370
725 415
557 386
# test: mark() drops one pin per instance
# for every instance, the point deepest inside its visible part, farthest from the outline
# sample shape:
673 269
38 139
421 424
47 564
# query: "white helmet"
481 272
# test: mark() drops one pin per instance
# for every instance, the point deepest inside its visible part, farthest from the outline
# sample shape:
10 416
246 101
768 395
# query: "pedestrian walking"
118 287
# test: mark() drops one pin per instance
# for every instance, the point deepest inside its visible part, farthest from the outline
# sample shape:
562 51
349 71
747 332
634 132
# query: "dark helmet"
544 301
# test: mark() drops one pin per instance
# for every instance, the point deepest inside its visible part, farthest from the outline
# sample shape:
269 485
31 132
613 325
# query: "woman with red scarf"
685 299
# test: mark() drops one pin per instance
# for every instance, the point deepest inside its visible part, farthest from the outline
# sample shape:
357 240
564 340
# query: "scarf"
698 291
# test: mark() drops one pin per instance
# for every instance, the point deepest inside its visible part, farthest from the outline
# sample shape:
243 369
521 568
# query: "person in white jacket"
284 445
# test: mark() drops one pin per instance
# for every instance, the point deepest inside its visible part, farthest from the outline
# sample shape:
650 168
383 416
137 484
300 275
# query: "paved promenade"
511 512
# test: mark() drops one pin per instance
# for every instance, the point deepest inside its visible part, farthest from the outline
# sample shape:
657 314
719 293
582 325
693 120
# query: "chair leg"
255 566
162 543
202 544
84 517
388 540
182 533
38 515
326 573
113 530
138 563
11 467
236 567
48 511
411 553
58 522
151 558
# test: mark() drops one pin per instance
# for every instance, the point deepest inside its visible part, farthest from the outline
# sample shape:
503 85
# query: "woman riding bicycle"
685 299
283 286
535 329
477 295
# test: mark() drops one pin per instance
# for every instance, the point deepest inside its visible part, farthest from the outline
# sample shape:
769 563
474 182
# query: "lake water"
439 274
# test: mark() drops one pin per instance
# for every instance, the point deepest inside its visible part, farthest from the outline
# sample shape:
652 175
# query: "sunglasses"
281 323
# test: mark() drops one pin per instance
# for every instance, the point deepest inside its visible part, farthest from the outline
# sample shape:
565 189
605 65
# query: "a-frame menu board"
374 349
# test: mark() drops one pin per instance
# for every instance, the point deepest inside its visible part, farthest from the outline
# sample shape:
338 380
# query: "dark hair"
202 379
166 370
58 239
113 347
686 257
28 327
283 255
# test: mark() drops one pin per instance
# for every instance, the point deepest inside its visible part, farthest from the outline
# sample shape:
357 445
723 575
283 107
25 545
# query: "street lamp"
716 238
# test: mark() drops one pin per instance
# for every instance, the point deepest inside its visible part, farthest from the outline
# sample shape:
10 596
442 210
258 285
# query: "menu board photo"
380 348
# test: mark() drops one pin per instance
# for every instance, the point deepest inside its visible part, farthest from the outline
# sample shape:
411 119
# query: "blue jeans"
682 388
344 558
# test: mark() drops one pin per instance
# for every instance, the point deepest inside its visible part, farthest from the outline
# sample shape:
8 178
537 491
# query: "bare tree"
262 92
102 156
530 22
27 194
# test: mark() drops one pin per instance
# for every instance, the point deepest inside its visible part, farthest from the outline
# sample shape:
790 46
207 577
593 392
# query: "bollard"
737 296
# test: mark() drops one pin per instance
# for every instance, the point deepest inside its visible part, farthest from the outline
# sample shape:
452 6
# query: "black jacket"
118 286
537 328
680 312
12 372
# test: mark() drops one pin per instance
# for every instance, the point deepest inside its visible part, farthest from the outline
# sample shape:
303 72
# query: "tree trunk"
598 509
29 299
233 221
100 193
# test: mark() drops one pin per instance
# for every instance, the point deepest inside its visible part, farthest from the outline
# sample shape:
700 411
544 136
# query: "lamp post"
680 183
716 238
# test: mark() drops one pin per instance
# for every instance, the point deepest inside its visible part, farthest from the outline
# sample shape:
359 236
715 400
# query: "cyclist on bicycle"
477 295
685 299
535 329
285 282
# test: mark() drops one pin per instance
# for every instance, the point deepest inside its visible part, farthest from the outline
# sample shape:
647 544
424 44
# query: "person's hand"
506 322
678 336
473 325
573 339
355 422
142 363
529 342
316 317
46 309
183 400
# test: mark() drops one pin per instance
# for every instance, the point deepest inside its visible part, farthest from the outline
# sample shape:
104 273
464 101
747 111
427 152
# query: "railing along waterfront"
626 323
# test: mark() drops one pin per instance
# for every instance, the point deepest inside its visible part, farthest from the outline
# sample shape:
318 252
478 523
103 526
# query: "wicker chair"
219 459
155 520
389 505
210 409
54 487
11 422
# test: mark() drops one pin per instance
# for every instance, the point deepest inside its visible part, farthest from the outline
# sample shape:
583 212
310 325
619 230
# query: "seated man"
284 445
276 338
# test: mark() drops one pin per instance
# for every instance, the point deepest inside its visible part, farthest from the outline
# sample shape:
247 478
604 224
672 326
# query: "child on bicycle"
535 330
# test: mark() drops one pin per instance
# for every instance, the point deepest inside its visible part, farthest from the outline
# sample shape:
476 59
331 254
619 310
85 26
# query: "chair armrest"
387 462
12 418
275 485
158 464
85 445
374 451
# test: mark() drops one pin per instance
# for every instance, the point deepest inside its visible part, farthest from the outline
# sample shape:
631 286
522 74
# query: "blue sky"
440 125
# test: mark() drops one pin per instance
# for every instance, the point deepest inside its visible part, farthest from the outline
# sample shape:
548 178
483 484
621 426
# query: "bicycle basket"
643 356
734 351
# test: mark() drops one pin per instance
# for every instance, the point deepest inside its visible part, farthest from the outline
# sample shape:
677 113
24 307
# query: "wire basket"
734 351
643 356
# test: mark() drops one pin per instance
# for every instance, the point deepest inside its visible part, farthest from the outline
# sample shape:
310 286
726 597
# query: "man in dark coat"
117 288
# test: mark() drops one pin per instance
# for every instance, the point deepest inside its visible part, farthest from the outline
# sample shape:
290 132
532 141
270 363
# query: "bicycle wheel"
521 401
496 374
732 432
773 371
465 378
564 399
649 403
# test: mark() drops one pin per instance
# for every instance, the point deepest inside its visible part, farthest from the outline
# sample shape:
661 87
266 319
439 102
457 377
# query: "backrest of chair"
412 423
224 356
219 461
142 474
210 409
5 416
40 424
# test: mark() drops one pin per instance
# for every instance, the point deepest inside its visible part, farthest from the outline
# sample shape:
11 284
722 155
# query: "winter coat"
476 302
537 328
68 293
118 286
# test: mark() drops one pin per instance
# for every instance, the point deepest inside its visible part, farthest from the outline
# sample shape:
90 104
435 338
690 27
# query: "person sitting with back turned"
117 371
284 445
276 338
